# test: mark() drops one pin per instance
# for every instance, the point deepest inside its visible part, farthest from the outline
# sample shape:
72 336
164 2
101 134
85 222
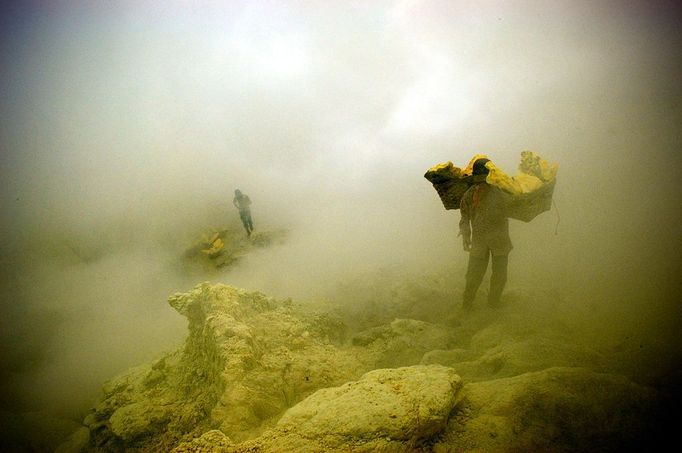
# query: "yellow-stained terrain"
262 374
222 247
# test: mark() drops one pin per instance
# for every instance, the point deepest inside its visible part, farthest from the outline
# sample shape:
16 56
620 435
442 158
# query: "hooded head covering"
480 168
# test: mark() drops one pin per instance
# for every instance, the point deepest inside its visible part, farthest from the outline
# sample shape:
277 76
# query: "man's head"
238 193
479 166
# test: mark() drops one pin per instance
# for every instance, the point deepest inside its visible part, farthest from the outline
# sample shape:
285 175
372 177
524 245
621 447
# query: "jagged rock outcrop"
267 375
425 408
246 360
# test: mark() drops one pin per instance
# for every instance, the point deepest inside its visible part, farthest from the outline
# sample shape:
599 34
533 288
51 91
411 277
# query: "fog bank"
126 128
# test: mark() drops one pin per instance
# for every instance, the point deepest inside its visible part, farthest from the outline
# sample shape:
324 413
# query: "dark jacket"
243 203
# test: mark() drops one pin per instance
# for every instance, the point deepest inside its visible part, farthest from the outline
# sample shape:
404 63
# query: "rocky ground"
258 374
220 248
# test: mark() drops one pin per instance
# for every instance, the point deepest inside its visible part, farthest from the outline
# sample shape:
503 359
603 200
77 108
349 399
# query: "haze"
127 126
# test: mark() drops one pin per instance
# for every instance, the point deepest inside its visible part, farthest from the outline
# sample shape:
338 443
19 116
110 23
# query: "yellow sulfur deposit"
533 173
531 188
216 246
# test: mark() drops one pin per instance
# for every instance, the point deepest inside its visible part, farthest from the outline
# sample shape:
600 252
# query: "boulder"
401 403
138 419
385 410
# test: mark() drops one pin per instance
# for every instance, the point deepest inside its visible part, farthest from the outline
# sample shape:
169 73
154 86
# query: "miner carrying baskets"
487 198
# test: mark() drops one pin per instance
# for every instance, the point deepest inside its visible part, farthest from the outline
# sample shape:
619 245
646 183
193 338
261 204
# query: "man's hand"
466 242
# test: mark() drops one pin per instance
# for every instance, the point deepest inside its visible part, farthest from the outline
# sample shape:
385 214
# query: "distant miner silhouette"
243 203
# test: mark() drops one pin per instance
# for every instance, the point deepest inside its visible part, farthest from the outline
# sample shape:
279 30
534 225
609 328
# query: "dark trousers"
475 272
246 221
